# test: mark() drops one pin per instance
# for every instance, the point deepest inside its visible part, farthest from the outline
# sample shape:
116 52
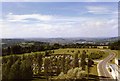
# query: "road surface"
103 72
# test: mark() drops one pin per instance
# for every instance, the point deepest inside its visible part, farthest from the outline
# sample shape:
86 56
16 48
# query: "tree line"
20 67
19 49
115 45
38 46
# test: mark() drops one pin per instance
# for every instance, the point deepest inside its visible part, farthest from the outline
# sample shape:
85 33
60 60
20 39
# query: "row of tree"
26 66
19 49
37 46
20 67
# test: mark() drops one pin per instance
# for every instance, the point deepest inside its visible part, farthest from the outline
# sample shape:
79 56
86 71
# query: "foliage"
76 64
25 48
20 67
14 71
83 61
26 69
90 62
74 73
115 45
94 55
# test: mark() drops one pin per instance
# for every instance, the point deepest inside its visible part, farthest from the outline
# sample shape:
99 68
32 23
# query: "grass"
93 74
39 80
104 55
93 70
25 54
69 51
117 52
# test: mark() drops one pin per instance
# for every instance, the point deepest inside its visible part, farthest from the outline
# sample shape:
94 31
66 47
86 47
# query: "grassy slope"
65 51
94 69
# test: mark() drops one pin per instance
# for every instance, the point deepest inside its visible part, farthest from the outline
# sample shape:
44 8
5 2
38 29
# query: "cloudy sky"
59 19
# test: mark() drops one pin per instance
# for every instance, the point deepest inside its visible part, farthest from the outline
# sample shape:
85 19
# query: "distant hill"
112 39
61 40
23 42
75 40
9 42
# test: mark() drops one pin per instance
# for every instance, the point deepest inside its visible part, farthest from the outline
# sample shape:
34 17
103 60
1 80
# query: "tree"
9 51
16 49
47 53
63 63
115 45
90 62
15 71
46 67
26 69
76 64
83 62
56 46
39 61
5 72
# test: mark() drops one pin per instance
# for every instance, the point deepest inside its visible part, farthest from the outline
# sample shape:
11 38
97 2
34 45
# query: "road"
103 72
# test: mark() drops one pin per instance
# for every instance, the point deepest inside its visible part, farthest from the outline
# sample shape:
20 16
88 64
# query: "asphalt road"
103 72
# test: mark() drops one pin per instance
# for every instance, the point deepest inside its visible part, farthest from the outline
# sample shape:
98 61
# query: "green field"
72 51
117 52
93 74
69 50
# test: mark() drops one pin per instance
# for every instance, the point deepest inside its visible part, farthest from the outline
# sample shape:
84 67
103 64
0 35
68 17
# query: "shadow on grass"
92 77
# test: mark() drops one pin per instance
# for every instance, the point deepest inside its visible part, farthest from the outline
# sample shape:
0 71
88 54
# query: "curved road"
103 72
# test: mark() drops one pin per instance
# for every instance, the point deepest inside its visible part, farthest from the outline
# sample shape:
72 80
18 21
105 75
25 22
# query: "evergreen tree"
39 61
46 67
26 69
83 62
5 72
15 71
9 51
76 64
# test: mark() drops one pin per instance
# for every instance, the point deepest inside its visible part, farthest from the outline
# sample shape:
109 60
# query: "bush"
95 56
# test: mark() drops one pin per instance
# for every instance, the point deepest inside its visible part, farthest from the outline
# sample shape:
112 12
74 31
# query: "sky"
59 19
60 0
